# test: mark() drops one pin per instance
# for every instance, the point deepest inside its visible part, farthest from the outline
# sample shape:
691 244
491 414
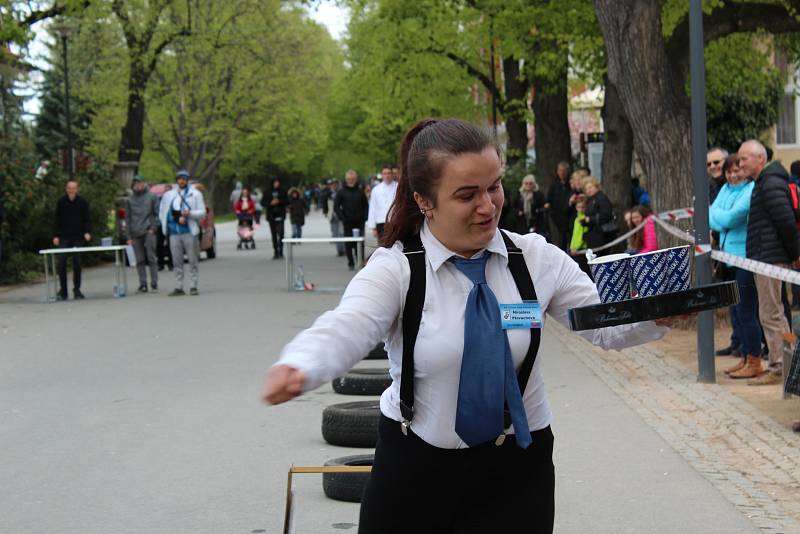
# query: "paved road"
142 415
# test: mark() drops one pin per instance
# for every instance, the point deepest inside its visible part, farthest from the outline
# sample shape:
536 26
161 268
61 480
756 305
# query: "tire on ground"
347 487
363 382
351 424
378 353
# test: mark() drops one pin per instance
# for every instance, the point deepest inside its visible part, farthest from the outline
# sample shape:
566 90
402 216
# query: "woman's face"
733 174
527 185
468 202
245 193
589 189
636 218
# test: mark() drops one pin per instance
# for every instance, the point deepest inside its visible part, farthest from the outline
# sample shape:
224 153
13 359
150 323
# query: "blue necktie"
486 367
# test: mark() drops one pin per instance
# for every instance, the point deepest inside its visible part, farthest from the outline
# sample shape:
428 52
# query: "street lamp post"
64 32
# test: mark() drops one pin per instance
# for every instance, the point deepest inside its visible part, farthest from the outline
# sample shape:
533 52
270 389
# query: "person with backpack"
440 289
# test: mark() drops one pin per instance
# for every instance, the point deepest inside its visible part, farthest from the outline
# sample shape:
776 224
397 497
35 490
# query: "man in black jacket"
275 202
72 229
352 208
771 238
558 205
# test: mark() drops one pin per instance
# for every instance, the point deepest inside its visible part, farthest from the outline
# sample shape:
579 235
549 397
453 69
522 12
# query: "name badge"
523 315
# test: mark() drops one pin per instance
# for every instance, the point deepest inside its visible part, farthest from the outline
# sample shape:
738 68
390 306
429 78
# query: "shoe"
153 288
177 293
142 289
751 369
796 426
61 296
351 267
339 254
76 293
275 257
728 351
193 292
740 364
767 379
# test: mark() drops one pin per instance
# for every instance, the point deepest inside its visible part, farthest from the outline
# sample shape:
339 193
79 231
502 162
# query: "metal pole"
491 72
702 263
70 163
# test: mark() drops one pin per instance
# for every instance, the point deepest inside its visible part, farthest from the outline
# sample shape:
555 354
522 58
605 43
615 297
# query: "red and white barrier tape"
758 267
674 215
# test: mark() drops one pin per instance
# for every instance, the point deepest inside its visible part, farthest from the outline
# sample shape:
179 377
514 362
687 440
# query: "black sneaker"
728 351
193 292
77 294
142 289
177 293
154 288
61 296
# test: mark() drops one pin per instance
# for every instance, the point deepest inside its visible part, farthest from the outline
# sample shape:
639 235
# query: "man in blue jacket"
771 238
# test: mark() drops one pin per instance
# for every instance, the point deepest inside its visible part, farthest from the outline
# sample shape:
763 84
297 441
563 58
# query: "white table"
291 241
50 274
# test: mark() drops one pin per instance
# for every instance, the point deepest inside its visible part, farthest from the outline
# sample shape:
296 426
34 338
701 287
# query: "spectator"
380 201
236 194
257 196
141 217
639 196
645 239
297 212
246 205
181 209
728 216
336 225
771 238
275 202
396 172
558 204
529 208
599 214
351 206
578 241
794 172
73 226
714 160
307 195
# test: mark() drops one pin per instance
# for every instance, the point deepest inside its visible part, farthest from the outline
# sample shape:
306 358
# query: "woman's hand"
283 383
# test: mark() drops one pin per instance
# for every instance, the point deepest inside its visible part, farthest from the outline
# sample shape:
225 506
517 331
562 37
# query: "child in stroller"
245 209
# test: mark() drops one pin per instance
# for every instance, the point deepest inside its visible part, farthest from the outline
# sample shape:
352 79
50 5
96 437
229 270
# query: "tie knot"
474 269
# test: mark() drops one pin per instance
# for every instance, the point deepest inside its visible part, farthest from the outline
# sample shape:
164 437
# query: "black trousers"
350 248
76 264
415 487
276 228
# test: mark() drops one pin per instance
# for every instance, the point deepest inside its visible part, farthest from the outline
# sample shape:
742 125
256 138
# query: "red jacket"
251 208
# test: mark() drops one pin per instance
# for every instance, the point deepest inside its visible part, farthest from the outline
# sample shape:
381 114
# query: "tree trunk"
131 143
552 129
617 151
515 111
656 108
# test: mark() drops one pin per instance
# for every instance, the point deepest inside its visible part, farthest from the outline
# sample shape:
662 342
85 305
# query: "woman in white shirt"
425 477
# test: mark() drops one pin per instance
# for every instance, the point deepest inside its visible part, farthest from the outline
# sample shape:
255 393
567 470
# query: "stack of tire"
354 424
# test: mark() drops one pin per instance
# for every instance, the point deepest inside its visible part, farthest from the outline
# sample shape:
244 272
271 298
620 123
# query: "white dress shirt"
371 310
380 200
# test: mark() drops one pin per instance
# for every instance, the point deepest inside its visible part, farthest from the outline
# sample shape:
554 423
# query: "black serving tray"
692 300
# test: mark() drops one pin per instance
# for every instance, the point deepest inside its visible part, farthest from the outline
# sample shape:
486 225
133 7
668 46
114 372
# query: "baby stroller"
245 232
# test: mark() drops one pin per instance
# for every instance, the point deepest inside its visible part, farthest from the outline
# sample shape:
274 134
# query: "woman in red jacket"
245 205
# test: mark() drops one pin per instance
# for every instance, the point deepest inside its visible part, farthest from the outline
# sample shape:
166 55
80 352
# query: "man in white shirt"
380 201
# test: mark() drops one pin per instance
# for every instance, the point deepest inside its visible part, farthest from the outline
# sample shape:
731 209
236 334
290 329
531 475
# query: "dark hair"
794 168
730 161
426 147
637 239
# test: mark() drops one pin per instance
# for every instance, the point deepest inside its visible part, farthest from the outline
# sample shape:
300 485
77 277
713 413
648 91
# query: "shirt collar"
438 254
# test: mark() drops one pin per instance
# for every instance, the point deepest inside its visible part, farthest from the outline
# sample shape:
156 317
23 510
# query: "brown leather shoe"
767 379
752 368
739 365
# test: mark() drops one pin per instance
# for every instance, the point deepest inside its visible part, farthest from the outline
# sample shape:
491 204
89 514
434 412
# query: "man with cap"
181 209
141 216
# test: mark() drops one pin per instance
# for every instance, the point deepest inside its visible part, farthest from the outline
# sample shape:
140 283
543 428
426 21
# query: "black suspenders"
412 315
